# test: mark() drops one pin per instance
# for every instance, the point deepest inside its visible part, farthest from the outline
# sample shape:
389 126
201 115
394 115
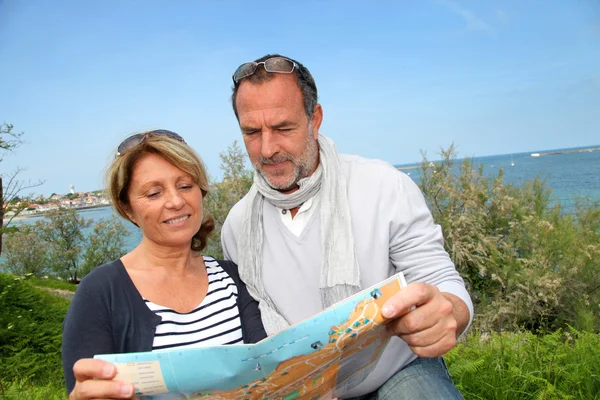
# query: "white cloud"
472 21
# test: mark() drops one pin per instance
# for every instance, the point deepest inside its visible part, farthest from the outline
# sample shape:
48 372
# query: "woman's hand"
93 380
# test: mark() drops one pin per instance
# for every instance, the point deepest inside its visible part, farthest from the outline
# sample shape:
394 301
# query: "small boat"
535 154
512 163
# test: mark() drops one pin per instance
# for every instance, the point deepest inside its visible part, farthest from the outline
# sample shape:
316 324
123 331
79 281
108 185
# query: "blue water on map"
569 176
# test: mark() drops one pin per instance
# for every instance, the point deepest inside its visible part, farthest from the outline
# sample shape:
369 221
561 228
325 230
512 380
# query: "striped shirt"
215 321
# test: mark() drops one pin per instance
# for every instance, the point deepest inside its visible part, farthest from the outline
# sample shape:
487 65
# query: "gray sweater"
393 231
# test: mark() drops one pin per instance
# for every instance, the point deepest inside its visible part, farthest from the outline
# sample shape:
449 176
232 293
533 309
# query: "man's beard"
303 165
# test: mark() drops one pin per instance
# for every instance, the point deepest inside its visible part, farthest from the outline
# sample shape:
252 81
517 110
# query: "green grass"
30 338
52 283
561 365
25 391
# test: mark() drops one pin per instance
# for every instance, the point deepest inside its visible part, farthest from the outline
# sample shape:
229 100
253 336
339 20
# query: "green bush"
527 264
24 391
560 365
30 335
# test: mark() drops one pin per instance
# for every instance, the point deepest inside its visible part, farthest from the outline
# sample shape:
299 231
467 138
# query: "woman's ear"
127 210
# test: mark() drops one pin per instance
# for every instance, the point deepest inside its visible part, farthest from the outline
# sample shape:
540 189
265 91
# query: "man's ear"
316 120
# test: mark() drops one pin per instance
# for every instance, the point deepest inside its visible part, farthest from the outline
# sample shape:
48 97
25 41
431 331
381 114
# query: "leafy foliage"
61 245
9 139
24 254
11 188
560 365
21 390
526 263
106 243
30 334
223 195
64 235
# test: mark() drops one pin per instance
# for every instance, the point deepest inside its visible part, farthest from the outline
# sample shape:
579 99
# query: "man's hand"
94 381
430 328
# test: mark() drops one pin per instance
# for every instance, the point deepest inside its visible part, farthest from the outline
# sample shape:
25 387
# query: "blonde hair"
175 152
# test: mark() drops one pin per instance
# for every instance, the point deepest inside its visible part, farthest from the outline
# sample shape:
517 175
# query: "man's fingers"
420 319
437 349
411 296
433 342
88 368
99 389
424 317
423 338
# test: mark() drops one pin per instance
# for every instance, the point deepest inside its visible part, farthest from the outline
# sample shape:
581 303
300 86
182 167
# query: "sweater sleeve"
87 325
417 243
252 326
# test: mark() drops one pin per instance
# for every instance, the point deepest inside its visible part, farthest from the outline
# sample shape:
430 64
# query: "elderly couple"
315 228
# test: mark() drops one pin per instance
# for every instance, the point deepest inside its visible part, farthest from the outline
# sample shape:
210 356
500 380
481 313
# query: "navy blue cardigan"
108 315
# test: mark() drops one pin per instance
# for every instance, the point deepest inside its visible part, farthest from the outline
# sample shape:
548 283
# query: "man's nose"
269 144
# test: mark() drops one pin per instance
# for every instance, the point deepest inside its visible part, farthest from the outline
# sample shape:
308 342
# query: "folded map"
321 357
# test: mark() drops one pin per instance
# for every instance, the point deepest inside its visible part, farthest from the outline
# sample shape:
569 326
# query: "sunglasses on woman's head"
138 138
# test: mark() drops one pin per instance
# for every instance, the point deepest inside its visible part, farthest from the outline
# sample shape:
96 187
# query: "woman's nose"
175 200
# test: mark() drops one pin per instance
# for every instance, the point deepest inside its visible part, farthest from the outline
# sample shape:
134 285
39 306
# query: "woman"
164 293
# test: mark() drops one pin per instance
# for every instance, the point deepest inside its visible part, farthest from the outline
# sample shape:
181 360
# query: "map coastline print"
321 357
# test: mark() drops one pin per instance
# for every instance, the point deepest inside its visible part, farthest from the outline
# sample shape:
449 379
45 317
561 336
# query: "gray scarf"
340 277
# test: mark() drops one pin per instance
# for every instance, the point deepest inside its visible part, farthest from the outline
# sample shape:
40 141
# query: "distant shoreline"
552 153
403 167
42 213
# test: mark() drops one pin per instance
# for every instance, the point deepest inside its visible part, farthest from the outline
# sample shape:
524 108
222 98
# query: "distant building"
91 200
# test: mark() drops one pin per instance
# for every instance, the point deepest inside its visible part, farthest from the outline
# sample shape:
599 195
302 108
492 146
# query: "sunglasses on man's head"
138 138
279 65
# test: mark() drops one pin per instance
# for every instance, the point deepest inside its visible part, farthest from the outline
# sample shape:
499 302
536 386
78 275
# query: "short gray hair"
304 79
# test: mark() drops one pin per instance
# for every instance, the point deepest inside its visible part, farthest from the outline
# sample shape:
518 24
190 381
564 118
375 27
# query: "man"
317 227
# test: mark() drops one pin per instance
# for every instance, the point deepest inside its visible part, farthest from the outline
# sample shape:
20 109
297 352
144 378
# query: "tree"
64 235
9 140
64 245
72 253
106 243
11 187
14 198
24 253
223 195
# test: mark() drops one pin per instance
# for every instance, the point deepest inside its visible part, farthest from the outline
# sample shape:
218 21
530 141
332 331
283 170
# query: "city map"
319 358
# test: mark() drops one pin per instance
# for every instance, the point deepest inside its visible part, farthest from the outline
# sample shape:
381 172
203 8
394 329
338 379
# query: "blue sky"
394 77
